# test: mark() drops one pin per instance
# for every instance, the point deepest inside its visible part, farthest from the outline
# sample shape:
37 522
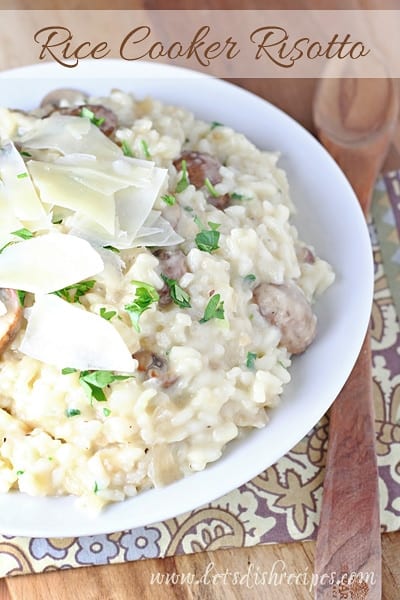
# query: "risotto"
153 291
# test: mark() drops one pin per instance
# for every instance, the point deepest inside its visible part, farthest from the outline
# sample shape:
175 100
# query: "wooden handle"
349 533
355 121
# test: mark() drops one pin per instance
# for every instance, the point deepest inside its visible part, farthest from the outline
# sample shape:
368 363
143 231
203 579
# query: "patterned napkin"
281 504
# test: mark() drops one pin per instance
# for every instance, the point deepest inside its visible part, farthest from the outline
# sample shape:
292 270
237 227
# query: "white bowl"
329 217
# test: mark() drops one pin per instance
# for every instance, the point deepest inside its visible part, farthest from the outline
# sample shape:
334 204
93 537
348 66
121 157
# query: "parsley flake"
168 199
23 153
93 382
21 296
22 175
215 124
178 295
6 246
214 309
145 296
73 293
107 314
106 412
72 412
18 473
250 360
208 239
145 149
23 233
126 149
211 188
112 248
68 371
88 114
250 278
183 182
236 196
95 487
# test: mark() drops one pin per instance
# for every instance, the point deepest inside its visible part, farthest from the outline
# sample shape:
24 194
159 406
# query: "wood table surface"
132 580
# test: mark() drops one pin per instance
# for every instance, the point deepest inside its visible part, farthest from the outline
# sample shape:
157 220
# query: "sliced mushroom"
200 166
173 266
172 262
108 119
58 96
10 317
286 307
220 202
154 366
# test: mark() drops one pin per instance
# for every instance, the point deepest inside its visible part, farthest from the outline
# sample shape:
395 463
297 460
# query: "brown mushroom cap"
286 307
10 322
71 96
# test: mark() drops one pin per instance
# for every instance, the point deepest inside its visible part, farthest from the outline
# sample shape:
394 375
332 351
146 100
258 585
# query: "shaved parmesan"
107 176
157 231
18 186
134 205
58 188
134 217
66 335
70 135
8 220
48 263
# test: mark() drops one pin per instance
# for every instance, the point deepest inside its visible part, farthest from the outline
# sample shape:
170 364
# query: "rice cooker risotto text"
152 292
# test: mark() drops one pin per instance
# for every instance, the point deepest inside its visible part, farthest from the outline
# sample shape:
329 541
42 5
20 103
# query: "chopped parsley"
107 314
145 296
22 175
95 487
183 182
236 196
20 473
23 153
214 309
112 248
106 412
73 293
145 149
23 233
250 360
68 371
21 296
168 199
208 239
57 220
6 246
178 295
215 124
126 149
93 382
211 188
250 278
72 412
88 114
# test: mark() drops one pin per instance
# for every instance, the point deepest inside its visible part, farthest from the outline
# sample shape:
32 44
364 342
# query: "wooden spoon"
355 119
